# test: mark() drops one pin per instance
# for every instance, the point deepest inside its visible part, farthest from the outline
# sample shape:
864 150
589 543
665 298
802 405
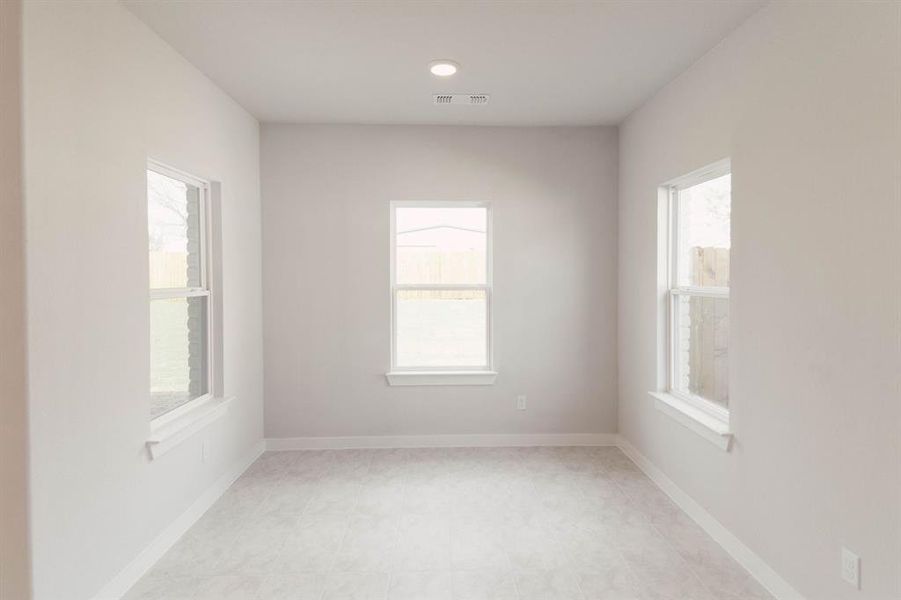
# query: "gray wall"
326 191
103 93
804 98
14 558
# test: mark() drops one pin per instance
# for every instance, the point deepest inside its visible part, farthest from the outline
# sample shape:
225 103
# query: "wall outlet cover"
851 568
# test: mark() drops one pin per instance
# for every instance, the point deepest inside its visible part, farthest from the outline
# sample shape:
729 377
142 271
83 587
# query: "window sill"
166 436
709 427
441 377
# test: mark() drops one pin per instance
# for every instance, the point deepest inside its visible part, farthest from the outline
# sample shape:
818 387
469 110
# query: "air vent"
468 99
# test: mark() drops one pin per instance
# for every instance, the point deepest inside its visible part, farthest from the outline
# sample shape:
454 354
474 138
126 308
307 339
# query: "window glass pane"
178 352
441 245
702 347
704 233
446 328
173 210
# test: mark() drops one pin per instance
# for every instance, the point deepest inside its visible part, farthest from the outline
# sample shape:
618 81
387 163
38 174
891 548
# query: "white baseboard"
136 569
444 441
743 555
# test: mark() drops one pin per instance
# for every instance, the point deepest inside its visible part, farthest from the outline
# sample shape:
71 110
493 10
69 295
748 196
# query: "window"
177 217
698 311
440 293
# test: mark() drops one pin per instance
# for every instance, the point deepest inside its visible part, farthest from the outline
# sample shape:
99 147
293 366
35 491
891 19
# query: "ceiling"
542 62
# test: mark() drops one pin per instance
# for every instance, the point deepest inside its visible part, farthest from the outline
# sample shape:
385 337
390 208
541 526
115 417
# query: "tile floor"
446 524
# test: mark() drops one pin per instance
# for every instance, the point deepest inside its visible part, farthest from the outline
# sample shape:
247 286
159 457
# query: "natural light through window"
699 294
440 286
179 294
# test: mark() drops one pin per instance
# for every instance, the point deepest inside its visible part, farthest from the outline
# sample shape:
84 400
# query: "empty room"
450 300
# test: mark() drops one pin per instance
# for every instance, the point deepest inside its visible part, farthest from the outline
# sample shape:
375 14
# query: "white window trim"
437 375
173 427
706 418
179 425
699 421
441 377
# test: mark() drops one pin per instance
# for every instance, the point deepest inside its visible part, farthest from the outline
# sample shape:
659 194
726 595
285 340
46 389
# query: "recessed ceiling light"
443 68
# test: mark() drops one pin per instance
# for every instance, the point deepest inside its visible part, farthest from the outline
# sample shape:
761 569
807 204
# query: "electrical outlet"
851 568
520 403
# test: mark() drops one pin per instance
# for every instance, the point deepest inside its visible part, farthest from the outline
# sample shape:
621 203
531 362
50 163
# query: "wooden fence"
708 356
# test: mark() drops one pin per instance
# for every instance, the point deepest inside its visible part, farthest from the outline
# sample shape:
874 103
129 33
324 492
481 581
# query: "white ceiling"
542 62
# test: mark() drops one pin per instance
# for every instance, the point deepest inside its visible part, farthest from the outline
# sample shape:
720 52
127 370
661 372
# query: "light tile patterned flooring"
446 524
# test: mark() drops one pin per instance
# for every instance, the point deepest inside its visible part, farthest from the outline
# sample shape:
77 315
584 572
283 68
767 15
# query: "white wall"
804 98
14 553
326 191
102 94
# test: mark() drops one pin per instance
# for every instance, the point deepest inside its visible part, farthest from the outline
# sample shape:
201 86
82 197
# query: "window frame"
204 290
417 373
674 291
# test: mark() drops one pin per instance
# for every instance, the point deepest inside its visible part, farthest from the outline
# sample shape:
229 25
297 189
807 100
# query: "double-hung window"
180 324
440 293
699 244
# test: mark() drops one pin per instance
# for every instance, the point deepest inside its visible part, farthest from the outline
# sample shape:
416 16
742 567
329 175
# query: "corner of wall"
15 573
